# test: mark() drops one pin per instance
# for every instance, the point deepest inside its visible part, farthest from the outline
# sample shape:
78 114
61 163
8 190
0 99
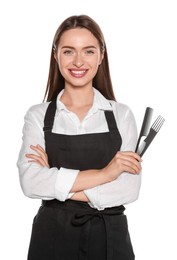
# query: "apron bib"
72 230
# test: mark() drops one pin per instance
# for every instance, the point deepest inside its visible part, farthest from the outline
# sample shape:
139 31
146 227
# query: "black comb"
145 125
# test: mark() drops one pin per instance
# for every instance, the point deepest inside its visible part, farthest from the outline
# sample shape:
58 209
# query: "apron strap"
110 120
49 116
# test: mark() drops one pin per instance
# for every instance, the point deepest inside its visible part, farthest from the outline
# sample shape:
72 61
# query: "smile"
78 73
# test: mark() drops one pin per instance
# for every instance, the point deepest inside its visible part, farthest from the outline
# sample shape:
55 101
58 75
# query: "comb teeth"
158 123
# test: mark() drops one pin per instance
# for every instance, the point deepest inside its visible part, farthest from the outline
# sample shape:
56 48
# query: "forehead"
78 37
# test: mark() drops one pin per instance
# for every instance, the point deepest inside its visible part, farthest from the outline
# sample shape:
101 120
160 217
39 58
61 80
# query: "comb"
145 125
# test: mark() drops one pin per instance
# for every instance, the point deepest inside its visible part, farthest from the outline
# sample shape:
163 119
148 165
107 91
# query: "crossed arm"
122 162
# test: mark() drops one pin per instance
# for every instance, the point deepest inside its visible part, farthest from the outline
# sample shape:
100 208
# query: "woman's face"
78 57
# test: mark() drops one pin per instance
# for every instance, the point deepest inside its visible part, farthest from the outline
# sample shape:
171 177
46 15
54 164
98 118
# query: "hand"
123 162
41 156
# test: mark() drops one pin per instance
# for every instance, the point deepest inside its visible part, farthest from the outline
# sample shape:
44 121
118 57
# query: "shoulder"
37 111
126 124
121 110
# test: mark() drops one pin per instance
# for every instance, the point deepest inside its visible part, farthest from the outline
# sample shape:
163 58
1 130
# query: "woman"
77 154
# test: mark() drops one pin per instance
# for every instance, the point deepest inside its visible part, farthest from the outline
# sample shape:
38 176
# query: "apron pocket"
122 247
42 242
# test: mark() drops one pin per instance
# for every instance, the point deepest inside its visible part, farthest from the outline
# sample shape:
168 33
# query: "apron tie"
81 218
84 218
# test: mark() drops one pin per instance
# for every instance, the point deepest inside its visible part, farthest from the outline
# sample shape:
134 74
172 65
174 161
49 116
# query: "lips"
78 73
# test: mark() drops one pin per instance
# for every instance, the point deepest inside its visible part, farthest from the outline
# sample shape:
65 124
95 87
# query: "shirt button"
81 129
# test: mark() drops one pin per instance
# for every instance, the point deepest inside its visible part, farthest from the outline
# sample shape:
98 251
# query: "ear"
101 57
55 54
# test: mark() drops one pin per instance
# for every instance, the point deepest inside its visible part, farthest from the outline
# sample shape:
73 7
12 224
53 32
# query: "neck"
77 97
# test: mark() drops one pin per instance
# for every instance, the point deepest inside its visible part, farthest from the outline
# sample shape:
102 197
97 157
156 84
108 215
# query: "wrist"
105 175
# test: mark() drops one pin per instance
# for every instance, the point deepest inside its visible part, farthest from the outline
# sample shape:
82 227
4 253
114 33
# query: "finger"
128 161
130 170
31 161
37 159
132 157
40 147
40 151
132 166
37 148
129 153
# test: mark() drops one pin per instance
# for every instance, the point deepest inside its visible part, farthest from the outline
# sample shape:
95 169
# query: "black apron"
72 230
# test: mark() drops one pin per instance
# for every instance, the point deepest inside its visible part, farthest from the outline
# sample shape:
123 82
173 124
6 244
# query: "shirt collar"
99 102
60 105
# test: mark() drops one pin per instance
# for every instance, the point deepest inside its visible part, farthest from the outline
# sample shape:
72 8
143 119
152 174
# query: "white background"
142 48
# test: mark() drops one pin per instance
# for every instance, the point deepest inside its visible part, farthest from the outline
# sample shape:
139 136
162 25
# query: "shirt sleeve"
38 181
125 189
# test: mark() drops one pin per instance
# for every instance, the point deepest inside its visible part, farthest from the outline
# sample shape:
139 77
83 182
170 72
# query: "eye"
68 52
89 52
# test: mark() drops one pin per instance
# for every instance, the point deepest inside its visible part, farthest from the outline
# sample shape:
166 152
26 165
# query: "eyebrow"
71 47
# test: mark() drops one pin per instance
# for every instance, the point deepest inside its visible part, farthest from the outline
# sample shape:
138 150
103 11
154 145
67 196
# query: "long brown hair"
102 79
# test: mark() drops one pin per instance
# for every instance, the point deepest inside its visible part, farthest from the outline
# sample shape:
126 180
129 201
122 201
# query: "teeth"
78 72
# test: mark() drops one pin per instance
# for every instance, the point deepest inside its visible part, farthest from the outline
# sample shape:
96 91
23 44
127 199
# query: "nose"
78 60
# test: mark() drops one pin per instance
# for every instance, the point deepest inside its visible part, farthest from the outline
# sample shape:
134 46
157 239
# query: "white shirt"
49 183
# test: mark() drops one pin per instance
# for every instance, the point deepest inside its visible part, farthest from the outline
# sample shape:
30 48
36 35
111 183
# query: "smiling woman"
77 154
102 79
77 59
